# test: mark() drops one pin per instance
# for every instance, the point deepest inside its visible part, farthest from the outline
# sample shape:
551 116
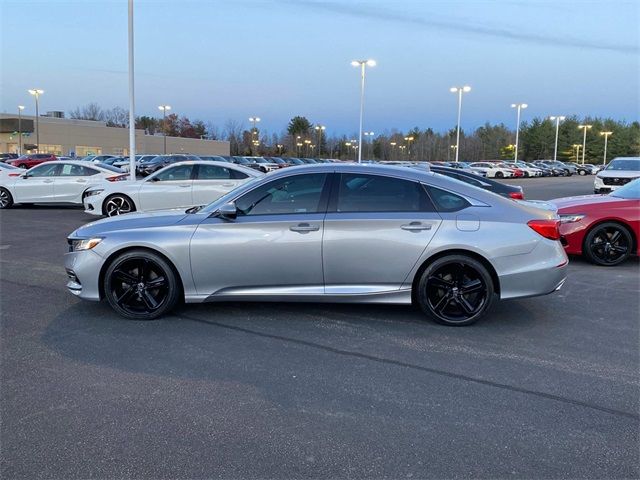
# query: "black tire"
582 172
23 165
455 290
117 204
499 175
6 200
141 285
608 244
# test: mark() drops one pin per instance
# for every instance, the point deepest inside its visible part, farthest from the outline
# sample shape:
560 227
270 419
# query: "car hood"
583 200
160 218
619 173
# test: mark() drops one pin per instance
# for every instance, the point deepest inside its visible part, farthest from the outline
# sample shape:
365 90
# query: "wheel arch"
457 251
113 255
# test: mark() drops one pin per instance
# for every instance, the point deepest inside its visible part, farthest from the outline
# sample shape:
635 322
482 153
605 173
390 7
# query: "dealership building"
69 137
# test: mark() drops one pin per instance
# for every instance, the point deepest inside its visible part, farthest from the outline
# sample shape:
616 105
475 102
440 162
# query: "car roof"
233 166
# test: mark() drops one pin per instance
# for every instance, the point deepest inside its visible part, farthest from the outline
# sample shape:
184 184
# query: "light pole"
363 64
459 91
132 101
20 108
452 147
584 138
366 143
298 145
320 129
356 150
408 139
280 148
164 109
577 147
307 142
606 137
36 92
518 106
557 119
254 130
393 149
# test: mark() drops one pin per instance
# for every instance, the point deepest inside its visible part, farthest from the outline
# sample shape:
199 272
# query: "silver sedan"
326 233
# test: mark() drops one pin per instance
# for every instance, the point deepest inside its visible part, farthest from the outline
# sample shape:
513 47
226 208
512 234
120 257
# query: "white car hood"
619 174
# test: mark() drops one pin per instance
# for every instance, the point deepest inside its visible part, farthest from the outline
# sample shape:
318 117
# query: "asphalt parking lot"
543 387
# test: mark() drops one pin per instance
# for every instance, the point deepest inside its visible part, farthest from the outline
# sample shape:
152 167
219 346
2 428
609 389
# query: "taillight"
516 195
118 178
15 174
547 228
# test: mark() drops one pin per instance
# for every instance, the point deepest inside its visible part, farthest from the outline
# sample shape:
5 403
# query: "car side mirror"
228 211
24 175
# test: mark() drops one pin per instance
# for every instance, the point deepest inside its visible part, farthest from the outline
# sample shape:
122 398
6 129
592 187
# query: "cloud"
469 28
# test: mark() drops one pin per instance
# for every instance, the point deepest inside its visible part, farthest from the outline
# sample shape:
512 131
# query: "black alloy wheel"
455 290
23 165
608 244
499 174
6 200
141 285
118 205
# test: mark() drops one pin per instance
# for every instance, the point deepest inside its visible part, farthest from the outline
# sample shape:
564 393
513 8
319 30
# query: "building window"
83 150
55 149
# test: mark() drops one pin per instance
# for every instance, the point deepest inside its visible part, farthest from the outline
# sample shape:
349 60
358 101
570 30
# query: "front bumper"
83 273
93 205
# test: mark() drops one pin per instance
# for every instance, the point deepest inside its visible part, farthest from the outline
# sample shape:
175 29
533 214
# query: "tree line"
488 142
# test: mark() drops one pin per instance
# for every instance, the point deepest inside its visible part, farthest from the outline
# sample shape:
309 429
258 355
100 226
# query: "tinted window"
446 201
376 193
69 170
213 172
296 194
180 172
46 170
624 164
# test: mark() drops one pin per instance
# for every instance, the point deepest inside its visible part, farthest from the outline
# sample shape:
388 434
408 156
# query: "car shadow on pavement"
194 341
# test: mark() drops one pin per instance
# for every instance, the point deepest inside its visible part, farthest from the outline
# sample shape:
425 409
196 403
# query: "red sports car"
32 159
603 228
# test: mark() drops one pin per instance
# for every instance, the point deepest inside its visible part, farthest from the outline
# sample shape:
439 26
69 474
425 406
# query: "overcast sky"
215 60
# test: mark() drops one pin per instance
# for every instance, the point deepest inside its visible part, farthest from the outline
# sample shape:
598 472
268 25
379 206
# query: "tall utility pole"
20 109
558 119
606 136
164 109
254 132
363 64
459 91
320 129
518 106
36 92
584 139
132 102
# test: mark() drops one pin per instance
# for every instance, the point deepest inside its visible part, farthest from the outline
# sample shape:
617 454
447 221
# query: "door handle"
184 186
228 184
416 226
81 181
304 227
47 181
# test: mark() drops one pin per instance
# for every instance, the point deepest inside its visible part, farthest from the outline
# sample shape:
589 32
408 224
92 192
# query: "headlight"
91 193
571 218
79 244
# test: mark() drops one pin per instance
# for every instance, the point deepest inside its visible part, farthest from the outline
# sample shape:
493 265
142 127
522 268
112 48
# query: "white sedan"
179 185
528 170
54 182
493 170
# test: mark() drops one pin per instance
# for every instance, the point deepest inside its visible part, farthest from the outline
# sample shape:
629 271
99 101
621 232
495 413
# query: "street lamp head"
35 91
453 89
524 105
355 63
466 88
164 107
585 126
521 105
371 63
20 107
606 133
393 144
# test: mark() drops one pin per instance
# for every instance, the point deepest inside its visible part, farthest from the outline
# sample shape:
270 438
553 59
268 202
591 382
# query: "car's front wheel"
23 165
118 204
582 172
141 285
455 290
499 175
608 244
6 200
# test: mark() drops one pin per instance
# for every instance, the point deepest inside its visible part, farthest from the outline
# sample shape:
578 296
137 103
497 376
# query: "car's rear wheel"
6 200
118 204
455 290
499 174
141 285
608 244
582 172
23 165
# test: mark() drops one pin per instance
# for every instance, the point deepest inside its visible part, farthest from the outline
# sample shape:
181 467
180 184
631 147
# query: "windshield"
631 191
624 164
8 167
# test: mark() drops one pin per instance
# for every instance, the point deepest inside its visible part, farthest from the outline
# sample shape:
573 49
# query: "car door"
273 246
169 188
376 229
36 185
213 181
71 181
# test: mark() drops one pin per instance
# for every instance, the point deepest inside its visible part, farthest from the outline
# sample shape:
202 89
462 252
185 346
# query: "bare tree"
117 117
91 111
